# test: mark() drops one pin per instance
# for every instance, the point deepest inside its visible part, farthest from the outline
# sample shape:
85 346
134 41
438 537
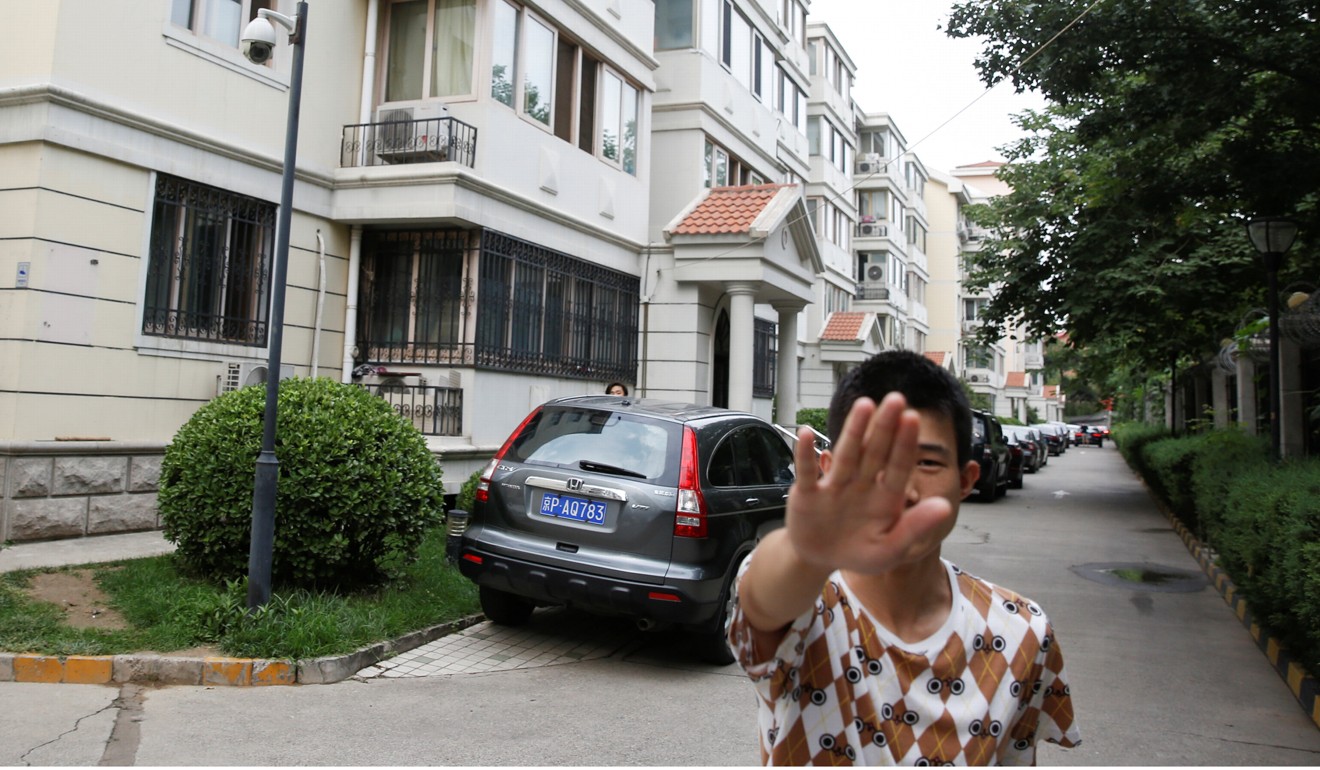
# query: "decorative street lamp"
1272 237
258 45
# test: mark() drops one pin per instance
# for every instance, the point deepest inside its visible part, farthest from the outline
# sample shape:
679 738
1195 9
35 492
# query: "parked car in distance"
628 507
1090 435
1073 430
1056 441
1032 445
990 450
1019 457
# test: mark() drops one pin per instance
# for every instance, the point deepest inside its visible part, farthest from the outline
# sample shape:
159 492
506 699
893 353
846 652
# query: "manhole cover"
1143 577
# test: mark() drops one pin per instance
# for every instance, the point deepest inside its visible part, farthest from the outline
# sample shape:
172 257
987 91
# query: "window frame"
429 45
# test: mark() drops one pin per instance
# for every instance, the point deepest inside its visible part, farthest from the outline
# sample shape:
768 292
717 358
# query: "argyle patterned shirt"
842 690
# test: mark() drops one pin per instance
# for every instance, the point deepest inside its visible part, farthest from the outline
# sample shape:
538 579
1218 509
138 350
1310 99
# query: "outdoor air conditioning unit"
978 378
875 273
871 163
872 230
412 134
240 374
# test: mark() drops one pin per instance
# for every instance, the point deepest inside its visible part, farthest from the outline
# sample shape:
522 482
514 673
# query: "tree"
1171 121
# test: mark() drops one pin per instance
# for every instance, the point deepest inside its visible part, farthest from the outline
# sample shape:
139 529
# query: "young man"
864 645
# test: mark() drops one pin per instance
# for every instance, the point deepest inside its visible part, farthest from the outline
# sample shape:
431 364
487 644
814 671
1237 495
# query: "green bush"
467 496
357 486
816 418
1221 457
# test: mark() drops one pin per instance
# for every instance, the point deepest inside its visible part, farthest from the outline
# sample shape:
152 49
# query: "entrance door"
719 386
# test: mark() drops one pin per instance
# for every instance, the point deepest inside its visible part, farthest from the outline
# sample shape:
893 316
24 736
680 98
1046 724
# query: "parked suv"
620 506
990 449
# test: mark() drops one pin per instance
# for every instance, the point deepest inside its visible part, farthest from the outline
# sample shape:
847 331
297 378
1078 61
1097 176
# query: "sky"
908 67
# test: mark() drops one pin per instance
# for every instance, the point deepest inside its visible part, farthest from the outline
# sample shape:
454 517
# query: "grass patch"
167 611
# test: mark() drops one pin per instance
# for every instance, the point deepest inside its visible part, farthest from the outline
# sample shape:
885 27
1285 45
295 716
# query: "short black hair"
926 386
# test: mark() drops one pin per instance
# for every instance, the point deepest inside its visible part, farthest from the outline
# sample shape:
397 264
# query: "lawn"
164 610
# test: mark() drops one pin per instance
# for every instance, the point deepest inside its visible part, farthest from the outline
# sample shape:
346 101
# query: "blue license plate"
573 508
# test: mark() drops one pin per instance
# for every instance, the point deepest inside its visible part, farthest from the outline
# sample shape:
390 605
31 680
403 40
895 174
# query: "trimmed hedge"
1262 519
357 486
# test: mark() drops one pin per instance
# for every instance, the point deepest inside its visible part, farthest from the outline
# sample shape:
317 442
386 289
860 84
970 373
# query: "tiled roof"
938 356
844 327
728 210
1015 380
983 164
1050 391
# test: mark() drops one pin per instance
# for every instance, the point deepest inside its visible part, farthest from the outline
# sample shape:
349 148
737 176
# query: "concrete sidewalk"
83 550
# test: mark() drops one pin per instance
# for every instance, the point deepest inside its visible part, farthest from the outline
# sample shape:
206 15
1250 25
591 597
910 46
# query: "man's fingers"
805 462
902 459
847 452
881 432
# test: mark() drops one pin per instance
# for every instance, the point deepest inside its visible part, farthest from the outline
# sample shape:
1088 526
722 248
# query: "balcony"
871 230
433 410
431 140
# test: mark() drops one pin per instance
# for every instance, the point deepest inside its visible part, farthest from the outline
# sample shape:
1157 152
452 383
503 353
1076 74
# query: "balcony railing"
871 230
872 292
433 140
435 411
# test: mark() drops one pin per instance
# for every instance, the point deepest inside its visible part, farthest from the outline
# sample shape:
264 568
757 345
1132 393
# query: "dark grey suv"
620 506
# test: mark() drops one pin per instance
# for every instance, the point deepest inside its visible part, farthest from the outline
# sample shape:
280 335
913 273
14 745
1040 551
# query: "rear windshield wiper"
592 465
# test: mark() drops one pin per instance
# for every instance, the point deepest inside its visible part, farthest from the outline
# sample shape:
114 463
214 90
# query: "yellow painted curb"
83 669
38 668
226 671
272 672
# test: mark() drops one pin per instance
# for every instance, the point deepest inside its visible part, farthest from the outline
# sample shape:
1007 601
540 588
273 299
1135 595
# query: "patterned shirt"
841 689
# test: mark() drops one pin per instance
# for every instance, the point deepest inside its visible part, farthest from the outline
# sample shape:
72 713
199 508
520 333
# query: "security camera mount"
291 23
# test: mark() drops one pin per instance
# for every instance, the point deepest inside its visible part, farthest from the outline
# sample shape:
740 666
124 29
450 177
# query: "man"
866 646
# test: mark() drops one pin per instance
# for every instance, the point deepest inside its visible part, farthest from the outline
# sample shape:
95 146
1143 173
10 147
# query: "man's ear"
971 472
825 459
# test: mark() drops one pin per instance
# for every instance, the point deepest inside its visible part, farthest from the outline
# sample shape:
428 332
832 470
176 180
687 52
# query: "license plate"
573 508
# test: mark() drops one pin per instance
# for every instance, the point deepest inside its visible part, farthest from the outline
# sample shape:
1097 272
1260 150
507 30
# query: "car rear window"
567 436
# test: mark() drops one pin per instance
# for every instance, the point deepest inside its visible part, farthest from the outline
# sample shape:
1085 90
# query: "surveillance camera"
258 41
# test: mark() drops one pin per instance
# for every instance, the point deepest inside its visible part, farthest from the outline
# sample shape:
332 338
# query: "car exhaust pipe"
645 624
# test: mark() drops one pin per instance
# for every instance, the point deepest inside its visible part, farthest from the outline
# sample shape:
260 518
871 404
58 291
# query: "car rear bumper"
682 602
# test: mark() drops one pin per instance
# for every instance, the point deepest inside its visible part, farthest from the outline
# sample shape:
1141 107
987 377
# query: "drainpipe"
369 67
646 322
320 304
351 305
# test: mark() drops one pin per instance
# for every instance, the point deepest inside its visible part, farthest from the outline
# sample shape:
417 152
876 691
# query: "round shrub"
357 486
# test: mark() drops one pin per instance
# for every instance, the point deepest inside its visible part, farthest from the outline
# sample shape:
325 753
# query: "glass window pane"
223 18
181 13
451 47
538 78
630 98
673 24
609 120
403 74
503 53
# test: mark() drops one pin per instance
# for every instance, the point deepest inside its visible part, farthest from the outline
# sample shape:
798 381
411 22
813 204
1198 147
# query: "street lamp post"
264 487
1272 237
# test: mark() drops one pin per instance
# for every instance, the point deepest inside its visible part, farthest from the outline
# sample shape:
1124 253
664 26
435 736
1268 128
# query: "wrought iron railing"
431 140
434 410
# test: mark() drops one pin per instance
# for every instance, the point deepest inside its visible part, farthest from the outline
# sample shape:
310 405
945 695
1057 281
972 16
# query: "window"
793 18
538 76
978 357
543 312
504 52
208 270
973 308
221 20
765 343
791 101
725 170
916 233
618 130
413 295
673 24
873 204
430 49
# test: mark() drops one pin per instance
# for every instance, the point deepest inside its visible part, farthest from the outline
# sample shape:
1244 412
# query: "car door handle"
752 501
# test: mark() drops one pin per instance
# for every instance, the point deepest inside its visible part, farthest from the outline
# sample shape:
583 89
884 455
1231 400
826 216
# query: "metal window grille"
209 264
433 410
543 312
416 297
764 358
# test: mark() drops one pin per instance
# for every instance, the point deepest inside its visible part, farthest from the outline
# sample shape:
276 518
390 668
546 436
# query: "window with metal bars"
415 296
209 264
543 312
765 356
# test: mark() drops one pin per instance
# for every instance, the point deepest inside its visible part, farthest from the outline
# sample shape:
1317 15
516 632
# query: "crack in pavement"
76 725
121 748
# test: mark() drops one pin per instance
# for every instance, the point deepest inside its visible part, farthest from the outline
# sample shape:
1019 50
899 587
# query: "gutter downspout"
351 302
320 304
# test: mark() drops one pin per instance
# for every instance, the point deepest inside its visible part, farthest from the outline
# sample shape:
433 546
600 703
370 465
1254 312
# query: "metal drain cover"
1144 576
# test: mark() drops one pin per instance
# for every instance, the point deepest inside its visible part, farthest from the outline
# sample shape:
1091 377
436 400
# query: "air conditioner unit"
872 230
871 163
875 273
412 134
240 374
978 378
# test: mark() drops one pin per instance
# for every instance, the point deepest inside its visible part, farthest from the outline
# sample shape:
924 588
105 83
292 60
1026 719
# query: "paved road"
1158 677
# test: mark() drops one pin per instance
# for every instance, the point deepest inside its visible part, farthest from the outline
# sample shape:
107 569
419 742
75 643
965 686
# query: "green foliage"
1262 519
1010 421
168 609
357 486
816 418
467 496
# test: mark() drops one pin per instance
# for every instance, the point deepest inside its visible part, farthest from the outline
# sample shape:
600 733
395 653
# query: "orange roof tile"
843 326
728 210
1015 380
1050 391
937 356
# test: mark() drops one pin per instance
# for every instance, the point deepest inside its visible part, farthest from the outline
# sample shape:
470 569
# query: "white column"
786 374
741 343
1292 405
1219 397
1246 394
351 306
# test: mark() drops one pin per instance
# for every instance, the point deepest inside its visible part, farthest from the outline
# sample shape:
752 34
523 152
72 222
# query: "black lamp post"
1272 237
264 487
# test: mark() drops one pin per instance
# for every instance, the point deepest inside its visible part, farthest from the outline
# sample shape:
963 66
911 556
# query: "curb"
1304 687
156 669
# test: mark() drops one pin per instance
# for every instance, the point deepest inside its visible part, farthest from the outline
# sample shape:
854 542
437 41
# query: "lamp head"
1272 235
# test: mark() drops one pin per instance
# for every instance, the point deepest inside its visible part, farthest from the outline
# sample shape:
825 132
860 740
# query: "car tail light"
690 519
483 486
